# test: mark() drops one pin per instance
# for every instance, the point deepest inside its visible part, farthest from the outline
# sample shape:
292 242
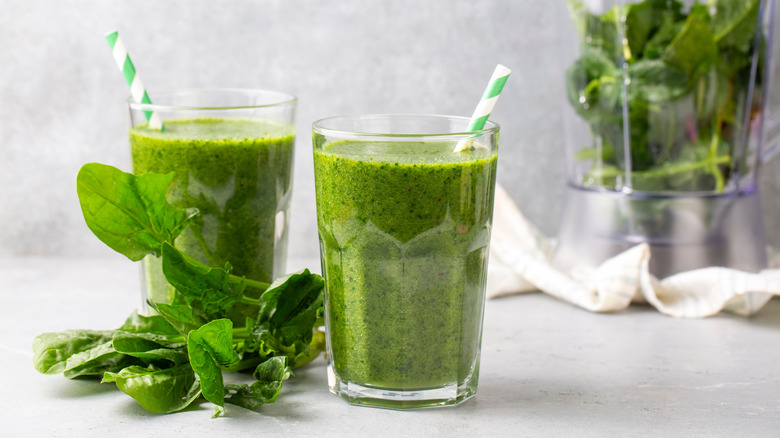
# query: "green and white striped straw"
486 104
137 90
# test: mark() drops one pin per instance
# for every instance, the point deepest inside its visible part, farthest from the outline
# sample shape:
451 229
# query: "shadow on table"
545 301
527 398
308 378
80 387
281 409
768 317
288 406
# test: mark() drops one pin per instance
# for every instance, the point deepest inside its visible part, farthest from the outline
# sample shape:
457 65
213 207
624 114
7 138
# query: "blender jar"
663 119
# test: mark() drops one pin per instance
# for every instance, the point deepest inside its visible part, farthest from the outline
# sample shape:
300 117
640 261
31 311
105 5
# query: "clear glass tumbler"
232 152
404 226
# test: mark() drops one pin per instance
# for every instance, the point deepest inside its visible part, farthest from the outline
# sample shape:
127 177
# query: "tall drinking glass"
231 151
404 226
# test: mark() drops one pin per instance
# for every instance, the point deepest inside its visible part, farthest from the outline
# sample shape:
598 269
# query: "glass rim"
283 99
490 126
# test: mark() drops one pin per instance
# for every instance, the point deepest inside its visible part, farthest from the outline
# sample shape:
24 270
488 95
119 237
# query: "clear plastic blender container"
664 120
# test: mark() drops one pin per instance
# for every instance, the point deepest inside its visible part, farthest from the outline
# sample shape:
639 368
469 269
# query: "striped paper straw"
486 104
137 90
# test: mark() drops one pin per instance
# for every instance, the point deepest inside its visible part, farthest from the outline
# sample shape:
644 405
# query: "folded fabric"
520 261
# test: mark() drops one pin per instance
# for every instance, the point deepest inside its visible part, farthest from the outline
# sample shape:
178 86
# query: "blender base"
684 232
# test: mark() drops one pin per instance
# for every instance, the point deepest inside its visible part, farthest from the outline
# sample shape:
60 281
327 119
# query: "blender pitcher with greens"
666 104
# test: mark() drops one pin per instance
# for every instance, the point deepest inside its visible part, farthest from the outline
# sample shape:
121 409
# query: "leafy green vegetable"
211 347
213 291
316 346
734 23
655 46
181 317
644 19
594 83
129 213
672 91
159 391
655 81
270 375
215 338
77 353
53 350
155 324
291 307
167 361
693 50
150 347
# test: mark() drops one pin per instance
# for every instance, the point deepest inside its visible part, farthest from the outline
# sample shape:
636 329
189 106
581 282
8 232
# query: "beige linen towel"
520 262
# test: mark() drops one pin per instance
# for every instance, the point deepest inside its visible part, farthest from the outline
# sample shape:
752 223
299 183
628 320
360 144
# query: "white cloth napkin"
520 262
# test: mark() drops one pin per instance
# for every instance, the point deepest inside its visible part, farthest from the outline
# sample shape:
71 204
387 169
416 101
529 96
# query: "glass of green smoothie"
232 152
404 227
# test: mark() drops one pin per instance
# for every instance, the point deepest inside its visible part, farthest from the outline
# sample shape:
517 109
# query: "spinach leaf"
159 391
151 347
593 84
693 50
734 23
731 61
216 337
101 360
667 31
316 346
700 10
291 307
270 375
211 347
78 353
156 324
180 316
129 213
653 80
52 351
644 19
210 290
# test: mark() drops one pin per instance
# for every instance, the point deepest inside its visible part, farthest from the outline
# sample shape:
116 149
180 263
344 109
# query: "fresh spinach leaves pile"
167 361
684 78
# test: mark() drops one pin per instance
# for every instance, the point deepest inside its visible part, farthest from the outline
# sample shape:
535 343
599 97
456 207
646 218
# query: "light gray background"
62 97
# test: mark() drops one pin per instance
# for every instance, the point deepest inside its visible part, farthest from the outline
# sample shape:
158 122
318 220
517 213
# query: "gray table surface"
548 369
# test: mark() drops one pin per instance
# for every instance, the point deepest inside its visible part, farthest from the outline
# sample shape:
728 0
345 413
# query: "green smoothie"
404 230
237 172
